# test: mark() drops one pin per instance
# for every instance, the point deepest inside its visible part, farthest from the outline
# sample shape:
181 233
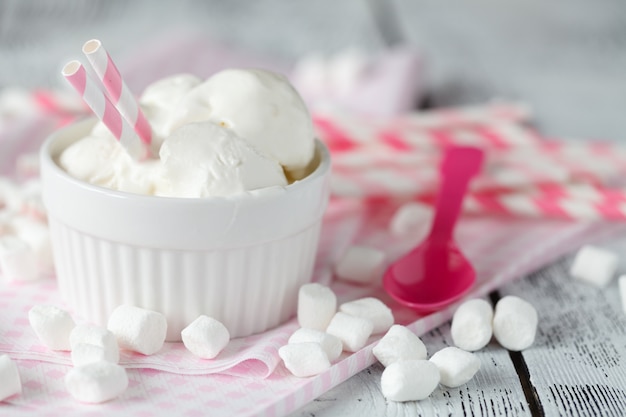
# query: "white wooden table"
565 58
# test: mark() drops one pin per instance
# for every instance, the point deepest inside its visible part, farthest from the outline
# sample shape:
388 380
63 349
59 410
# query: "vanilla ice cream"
261 107
160 99
196 167
238 131
101 160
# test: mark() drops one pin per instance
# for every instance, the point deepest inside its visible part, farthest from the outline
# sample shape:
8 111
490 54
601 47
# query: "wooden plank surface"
577 364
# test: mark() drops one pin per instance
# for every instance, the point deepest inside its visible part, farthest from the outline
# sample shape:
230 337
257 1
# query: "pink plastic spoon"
435 273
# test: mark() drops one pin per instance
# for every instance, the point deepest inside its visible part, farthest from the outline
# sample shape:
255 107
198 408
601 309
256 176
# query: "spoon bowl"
436 273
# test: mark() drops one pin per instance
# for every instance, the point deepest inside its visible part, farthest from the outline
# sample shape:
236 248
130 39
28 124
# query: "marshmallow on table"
471 328
18 261
361 264
91 343
317 304
594 265
399 344
514 323
138 329
6 217
622 291
456 366
27 165
304 359
331 344
52 326
34 208
37 235
10 196
411 219
84 353
205 337
411 380
372 309
96 382
351 330
10 383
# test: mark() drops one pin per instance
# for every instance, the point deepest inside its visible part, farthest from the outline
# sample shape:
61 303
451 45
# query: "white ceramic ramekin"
238 259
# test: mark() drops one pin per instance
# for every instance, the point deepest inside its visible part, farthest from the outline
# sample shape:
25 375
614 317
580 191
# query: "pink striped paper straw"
567 203
99 103
118 91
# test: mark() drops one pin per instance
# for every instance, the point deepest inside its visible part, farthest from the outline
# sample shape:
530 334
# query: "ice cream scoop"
100 159
204 159
259 106
160 98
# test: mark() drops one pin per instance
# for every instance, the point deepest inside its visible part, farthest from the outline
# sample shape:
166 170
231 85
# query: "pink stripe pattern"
103 108
118 91
572 202
524 175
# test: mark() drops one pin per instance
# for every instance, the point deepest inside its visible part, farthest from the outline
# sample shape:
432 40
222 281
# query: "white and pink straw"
118 110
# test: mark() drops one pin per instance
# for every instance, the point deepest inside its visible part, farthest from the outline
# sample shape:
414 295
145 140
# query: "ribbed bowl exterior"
249 289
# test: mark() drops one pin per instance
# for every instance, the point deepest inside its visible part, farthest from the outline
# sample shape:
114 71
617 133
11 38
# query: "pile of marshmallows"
96 376
326 331
25 246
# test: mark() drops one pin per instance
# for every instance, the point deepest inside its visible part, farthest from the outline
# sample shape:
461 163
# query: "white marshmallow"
411 219
138 329
96 382
37 235
10 196
471 328
514 323
399 344
331 344
93 336
27 165
304 359
622 291
10 378
361 264
351 330
372 309
456 366
205 337
6 217
411 380
84 353
17 260
317 305
52 326
594 265
34 208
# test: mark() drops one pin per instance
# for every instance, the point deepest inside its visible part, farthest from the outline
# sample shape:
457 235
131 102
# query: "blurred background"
565 58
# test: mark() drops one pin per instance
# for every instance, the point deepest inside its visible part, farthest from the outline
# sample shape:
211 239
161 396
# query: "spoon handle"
459 165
